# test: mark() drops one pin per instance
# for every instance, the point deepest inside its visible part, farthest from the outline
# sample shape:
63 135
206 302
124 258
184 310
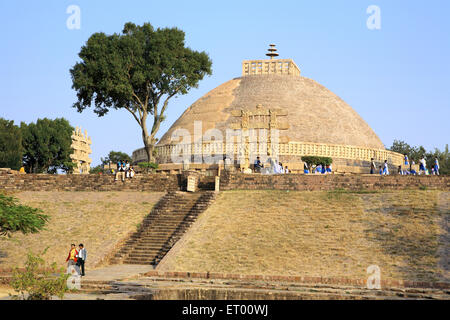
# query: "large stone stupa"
271 94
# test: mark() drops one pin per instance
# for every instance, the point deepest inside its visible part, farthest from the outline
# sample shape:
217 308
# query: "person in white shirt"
386 168
81 258
131 171
422 166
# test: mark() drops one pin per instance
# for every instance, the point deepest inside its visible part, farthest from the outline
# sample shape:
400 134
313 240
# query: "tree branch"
134 115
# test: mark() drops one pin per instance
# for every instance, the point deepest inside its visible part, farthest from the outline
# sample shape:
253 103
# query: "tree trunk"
148 145
149 150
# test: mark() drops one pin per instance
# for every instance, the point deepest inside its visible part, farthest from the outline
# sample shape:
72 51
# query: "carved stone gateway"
81 145
259 119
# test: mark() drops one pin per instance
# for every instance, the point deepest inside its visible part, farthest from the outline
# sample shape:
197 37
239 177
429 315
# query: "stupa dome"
313 113
272 95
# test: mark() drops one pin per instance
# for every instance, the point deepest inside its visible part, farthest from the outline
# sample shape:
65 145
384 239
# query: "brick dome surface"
314 113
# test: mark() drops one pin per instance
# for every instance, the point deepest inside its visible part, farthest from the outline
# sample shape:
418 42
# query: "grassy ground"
99 220
329 234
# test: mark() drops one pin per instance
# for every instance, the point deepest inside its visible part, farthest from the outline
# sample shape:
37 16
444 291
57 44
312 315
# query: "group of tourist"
124 170
77 259
422 167
277 167
384 169
317 169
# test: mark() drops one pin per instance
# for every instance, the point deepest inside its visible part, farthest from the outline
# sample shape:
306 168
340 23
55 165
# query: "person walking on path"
81 258
422 166
373 166
385 168
305 168
72 257
436 166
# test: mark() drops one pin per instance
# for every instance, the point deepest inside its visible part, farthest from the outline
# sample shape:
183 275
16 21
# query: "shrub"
69 167
312 160
38 280
16 217
148 166
97 170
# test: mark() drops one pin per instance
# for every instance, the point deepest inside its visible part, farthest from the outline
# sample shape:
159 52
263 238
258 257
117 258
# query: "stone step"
151 285
153 253
142 249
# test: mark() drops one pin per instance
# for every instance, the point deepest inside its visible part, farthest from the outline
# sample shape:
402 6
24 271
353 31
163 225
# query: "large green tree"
10 145
413 153
115 156
139 70
47 145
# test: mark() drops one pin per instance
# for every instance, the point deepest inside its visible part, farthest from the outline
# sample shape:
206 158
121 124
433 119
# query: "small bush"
148 166
39 281
69 167
97 170
312 160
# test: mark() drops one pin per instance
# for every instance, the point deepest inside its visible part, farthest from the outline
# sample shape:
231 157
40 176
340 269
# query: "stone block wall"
301 182
228 181
90 182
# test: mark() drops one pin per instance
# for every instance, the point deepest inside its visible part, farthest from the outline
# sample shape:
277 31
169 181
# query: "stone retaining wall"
296 279
91 182
302 182
228 181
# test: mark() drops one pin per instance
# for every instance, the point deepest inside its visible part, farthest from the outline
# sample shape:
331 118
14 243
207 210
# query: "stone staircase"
163 227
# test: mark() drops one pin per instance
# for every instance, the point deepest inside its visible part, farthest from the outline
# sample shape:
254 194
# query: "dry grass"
329 234
5 291
99 220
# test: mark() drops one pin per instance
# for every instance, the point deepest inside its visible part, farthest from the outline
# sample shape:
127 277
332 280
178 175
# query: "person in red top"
72 257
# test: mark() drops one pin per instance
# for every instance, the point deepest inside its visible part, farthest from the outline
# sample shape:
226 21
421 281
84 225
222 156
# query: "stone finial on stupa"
270 66
272 52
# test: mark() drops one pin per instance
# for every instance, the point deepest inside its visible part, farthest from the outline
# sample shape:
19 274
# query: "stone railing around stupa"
289 153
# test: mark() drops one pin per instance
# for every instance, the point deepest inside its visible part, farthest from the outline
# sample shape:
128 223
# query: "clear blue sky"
396 78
